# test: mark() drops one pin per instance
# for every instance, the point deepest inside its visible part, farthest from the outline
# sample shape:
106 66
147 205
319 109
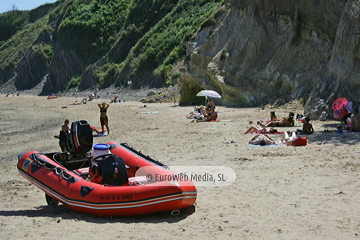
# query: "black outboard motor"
82 138
79 140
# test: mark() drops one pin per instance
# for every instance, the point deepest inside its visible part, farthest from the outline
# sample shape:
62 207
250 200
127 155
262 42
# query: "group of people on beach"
206 113
288 137
104 120
268 128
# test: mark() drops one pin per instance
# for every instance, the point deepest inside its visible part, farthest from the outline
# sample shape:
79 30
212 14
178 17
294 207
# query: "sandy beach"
284 192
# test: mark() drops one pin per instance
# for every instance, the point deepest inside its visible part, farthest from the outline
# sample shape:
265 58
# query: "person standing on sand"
104 121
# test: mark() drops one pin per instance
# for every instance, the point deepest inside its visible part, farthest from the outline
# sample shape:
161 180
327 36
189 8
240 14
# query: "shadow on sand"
64 212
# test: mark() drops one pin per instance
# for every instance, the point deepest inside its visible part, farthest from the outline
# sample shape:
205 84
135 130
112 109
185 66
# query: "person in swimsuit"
283 122
211 116
210 103
307 127
104 121
260 130
262 140
272 116
66 127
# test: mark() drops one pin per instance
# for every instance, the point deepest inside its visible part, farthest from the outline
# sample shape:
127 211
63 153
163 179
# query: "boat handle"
175 212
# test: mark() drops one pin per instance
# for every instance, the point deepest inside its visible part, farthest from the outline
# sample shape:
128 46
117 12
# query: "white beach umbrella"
208 93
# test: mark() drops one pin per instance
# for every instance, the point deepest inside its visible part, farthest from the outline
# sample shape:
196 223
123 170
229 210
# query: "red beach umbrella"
339 103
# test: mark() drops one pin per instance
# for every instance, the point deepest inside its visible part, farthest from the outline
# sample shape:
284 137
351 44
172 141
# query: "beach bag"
344 111
301 141
323 116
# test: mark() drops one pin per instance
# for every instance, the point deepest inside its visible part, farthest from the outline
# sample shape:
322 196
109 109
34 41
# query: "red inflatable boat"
106 181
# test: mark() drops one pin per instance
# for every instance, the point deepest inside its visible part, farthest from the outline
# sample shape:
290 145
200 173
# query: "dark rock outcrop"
268 50
65 65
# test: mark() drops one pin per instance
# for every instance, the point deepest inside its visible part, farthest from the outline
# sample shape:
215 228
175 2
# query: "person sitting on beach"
260 130
199 112
211 116
355 120
114 100
307 127
283 122
262 140
65 126
273 116
210 103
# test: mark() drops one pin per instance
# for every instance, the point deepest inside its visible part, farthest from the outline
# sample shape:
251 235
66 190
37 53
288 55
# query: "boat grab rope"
57 170
143 155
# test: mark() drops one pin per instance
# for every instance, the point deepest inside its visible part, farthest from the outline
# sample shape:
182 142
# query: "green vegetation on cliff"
145 37
164 44
11 22
14 49
91 27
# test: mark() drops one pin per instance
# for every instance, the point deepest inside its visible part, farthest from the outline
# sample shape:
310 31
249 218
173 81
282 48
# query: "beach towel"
102 134
272 145
97 130
265 133
150 112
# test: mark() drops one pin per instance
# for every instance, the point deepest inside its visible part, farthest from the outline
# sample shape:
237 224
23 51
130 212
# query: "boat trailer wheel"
51 201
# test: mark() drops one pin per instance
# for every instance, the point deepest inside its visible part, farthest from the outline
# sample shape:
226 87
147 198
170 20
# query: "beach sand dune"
310 192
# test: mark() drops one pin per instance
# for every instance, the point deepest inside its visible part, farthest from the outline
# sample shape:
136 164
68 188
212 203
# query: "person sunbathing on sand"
287 140
272 116
260 130
114 100
262 140
284 122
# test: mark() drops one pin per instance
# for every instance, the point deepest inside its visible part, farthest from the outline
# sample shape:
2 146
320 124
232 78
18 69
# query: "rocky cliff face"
256 52
268 51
